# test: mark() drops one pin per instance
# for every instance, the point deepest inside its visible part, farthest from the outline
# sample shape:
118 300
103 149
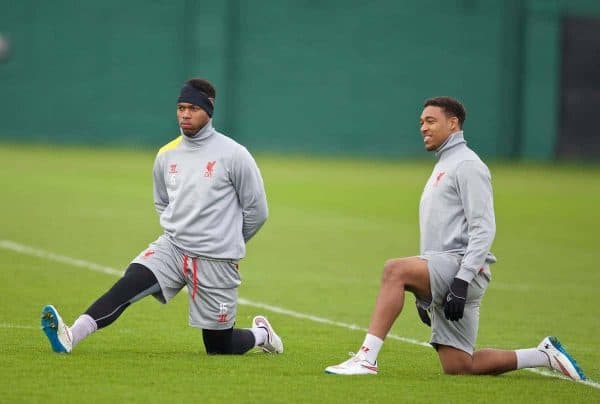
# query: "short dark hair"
452 107
204 86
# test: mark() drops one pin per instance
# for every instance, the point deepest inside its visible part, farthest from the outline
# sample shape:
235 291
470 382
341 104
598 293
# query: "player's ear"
454 123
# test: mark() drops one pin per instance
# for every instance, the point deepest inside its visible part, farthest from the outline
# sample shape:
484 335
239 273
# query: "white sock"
531 358
82 327
371 347
260 335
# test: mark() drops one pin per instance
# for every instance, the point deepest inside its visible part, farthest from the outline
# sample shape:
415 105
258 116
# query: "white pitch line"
30 327
23 249
20 327
322 320
26 250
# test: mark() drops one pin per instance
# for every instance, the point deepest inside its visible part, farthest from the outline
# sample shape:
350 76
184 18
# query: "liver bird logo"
438 178
210 166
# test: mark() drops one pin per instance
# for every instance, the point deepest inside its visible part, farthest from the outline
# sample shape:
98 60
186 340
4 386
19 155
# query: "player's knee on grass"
455 361
217 342
228 342
457 367
456 370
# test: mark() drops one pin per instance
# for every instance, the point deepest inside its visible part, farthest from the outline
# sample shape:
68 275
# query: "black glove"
454 303
423 314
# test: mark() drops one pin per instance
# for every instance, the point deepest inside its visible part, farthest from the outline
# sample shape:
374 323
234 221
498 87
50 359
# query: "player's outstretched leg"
559 359
56 330
137 282
549 353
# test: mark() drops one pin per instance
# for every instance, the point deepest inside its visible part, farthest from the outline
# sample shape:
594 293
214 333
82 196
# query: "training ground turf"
333 223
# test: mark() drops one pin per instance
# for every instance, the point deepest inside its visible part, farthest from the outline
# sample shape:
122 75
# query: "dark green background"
342 77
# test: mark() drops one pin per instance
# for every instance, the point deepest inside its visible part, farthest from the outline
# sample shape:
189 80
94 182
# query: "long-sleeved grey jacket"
209 194
456 212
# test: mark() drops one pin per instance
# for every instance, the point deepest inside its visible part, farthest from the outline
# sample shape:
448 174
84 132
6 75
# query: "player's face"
436 127
191 118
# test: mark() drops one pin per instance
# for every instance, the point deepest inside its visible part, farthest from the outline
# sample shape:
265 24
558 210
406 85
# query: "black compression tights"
228 342
138 282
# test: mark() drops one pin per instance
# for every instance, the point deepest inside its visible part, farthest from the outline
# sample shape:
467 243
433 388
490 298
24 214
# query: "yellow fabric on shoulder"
171 145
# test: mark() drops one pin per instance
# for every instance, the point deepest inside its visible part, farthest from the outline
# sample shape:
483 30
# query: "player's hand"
454 303
423 315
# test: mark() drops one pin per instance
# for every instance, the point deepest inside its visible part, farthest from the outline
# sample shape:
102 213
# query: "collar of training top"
453 140
194 96
200 137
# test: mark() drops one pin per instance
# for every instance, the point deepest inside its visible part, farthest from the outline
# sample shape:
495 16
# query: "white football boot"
357 365
559 358
273 344
58 333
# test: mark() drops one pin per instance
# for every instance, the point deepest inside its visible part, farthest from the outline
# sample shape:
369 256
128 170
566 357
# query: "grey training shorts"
212 283
460 334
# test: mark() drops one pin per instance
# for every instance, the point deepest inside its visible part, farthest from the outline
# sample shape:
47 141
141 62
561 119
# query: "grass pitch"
333 223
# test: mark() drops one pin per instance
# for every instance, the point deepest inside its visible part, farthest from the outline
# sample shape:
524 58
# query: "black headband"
194 96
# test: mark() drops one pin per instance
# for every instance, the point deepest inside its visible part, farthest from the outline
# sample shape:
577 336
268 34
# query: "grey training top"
456 213
209 194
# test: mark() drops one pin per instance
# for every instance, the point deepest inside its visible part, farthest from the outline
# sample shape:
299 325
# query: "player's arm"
250 189
474 185
475 189
161 197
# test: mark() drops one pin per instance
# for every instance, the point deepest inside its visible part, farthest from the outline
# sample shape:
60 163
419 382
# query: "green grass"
333 223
